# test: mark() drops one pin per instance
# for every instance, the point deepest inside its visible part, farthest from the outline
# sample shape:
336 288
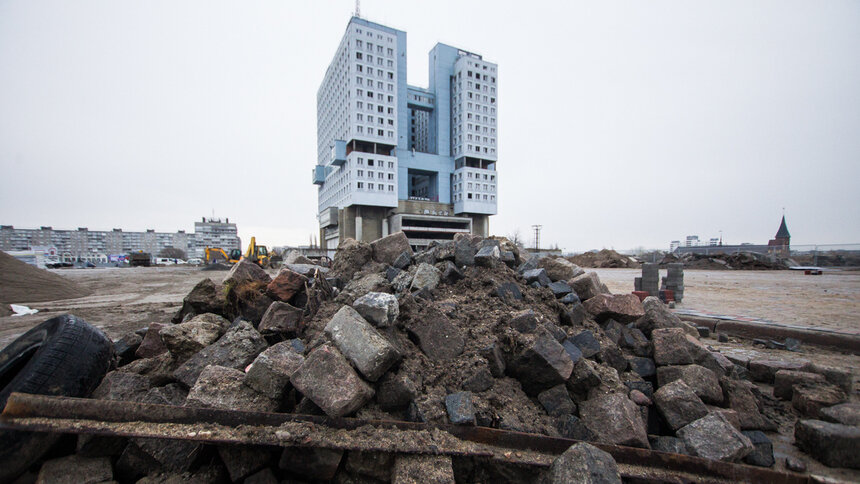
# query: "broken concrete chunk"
678 404
376 465
740 397
571 427
241 461
152 345
644 367
524 321
841 377
171 394
611 355
246 271
665 443
583 462
460 409
621 307
713 437
716 362
371 353
480 381
764 370
541 365
572 350
396 391
236 349
270 372
671 347
185 339
120 385
537 275
125 347
614 419
387 249
487 256
844 413
701 380
286 285
422 469
784 381
636 341
587 343
222 387
508 291
403 260
437 336
378 308
833 444
586 285
658 316
330 382
560 289
495 360
556 401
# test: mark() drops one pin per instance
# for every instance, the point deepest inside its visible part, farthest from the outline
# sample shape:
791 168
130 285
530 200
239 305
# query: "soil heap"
21 282
604 259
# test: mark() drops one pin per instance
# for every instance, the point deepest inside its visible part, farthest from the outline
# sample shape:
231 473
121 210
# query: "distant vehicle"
258 254
195 261
217 254
165 261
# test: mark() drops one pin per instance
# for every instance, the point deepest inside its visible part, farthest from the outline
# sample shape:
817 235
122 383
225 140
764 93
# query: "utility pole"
537 236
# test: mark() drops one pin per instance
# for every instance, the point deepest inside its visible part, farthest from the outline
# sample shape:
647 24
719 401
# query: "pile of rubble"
604 259
747 261
468 332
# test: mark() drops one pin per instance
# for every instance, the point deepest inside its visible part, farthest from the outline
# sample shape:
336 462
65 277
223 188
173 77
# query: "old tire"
63 356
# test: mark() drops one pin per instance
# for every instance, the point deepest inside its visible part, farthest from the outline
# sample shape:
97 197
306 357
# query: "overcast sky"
621 124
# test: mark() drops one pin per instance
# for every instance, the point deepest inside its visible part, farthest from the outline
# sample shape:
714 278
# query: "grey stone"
833 444
373 282
403 260
570 298
646 387
586 285
678 404
559 269
556 401
560 289
460 409
740 397
844 413
584 377
450 272
841 377
401 283
123 386
792 344
614 419
222 387
671 347
665 443
764 370
387 249
723 338
508 291
762 454
587 343
495 360
281 318
784 381
636 341
574 315
74 469
658 316
508 258
795 464
330 382
713 437
556 332
170 394
241 461
378 308
584 463
236 349
246 271
369 351
426 277
376 465
612 329
185 339
701 380
571 427
541 365
159 370
391 273
152 345
537 275
464 253
529 263
611 355
524 321
125 347
809 399
480 381
621 307
205 297
170 455
704 331
270 372
308 270
396 391
487 256
425 257
716 362
642 366
437 336
312 462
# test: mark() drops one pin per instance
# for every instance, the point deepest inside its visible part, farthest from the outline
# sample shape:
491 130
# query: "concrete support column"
357 228
384 227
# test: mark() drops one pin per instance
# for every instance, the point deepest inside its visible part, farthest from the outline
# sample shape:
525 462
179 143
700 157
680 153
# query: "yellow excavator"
258 254
215 254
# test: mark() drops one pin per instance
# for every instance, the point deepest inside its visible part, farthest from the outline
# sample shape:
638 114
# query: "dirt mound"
744 261
21 282
604 259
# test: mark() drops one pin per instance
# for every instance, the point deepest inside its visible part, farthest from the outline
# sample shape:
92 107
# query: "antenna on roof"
358 8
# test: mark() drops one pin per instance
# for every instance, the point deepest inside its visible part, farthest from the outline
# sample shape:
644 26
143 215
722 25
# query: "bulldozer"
215 254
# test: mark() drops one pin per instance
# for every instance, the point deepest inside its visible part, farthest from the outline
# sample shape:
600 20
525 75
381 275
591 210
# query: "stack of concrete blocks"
674 280
650 279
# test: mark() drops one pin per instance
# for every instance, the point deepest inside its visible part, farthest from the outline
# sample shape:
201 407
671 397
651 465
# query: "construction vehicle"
215 254
258 254
140 259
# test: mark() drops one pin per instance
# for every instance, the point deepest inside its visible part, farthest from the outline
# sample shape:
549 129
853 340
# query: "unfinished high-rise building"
398 157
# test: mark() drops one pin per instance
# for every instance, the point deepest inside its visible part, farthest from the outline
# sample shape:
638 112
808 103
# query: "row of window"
370 132
379 174
478 76
378 36
369 47
458 197
379 60
369 72
377 163
374 186
476 176
370 119
477 186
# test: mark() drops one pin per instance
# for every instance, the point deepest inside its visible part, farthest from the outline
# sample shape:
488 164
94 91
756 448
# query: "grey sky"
621 124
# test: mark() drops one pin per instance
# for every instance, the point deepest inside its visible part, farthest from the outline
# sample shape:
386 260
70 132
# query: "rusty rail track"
115 418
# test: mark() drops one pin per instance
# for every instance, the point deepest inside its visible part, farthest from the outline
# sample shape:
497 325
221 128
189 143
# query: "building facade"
396 157
94 245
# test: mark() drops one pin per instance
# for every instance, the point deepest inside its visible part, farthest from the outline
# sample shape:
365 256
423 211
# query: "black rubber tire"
63 356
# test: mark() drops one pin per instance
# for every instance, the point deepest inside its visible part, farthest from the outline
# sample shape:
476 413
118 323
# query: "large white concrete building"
397 157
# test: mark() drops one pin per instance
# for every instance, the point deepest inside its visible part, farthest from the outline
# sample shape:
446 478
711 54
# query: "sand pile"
603 259
21 282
